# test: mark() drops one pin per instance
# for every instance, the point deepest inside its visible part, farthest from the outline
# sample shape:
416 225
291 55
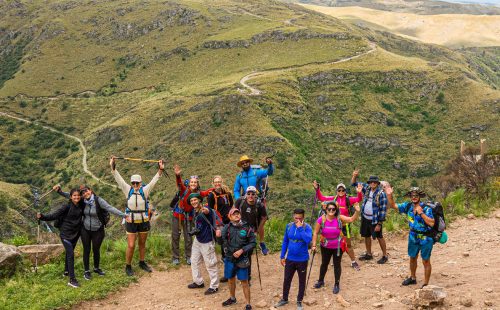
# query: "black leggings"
326 255
92 240
69 262
290 268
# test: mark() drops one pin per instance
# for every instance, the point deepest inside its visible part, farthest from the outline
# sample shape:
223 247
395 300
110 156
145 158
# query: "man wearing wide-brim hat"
250 176
373 213
421 221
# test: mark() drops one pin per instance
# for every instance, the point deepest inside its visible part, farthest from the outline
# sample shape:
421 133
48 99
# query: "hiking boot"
366 256
336 288
355 266
211 291
281 303
263 248
145 267
99 271
248 307
128 270
87 275
65 274
188 260
194 285
319 284
409 281
383 260
175 261
299 305
73 283
229 302
223 280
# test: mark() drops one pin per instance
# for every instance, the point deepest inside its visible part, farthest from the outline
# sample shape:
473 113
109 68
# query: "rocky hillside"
150 79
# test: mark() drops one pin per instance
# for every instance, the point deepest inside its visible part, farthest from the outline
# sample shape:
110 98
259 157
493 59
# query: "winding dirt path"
466 267
82 146
252 91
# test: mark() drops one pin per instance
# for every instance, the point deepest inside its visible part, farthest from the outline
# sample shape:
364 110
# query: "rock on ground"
9 257
429 296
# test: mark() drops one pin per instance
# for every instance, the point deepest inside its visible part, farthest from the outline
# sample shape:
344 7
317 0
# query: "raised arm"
359 197
152 183
390 199
354 217
118 178
319 195
354 177
262 173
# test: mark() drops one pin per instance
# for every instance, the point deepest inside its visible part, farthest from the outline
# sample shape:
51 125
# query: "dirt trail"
84 149
252 91
466 266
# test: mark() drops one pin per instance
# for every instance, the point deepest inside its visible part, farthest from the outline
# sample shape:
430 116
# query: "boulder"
9 258
429 296
261 304
46 252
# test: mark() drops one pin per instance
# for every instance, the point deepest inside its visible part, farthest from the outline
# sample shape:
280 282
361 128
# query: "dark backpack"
102 213
439 220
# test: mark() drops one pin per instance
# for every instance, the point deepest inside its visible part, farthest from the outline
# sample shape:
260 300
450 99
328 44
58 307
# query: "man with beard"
252 177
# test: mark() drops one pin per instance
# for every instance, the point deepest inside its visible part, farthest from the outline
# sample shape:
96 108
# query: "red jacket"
183 203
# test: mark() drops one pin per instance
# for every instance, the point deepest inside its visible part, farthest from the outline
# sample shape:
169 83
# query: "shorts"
231 270
425 249
133 228
368 229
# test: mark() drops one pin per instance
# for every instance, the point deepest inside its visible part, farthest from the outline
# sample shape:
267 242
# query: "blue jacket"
248 178
296 243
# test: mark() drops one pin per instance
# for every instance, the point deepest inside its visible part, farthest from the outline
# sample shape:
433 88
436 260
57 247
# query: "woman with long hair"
329 226
69 220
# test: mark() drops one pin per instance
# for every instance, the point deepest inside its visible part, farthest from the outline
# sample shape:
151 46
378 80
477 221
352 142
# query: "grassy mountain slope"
162 81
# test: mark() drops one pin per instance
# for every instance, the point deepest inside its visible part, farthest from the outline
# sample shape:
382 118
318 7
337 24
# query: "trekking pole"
258 268
37 242
310 269
138 159
315 201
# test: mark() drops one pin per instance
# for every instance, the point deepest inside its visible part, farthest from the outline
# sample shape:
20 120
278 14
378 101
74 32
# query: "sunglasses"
251 194
341 190
330 209
136 183
415 196
194 177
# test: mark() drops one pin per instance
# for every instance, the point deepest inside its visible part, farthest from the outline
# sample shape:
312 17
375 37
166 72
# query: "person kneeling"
238 240
203 245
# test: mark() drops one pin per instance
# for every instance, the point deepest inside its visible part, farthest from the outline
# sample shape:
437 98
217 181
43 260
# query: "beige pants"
204 252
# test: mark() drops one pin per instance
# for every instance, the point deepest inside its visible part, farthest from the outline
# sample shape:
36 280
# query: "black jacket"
236 237
72 221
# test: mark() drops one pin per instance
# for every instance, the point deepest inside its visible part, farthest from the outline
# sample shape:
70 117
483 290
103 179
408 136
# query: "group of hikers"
235 219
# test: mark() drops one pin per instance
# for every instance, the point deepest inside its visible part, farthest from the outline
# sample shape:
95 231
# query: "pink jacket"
340 201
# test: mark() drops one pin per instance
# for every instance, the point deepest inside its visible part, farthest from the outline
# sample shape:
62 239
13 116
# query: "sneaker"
223 280
409 281
65 274
229 302
99 271
355 266
248 307
188 260
263 248
319 284
145 266
128 270
299 305
383 260
194 285
73 283
211 291
366 256
87 275
336 288
281 303
175 261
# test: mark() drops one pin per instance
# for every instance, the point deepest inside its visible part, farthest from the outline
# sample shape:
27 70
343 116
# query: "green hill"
161 79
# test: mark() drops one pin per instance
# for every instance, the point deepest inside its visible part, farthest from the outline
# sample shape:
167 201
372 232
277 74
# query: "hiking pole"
138 159
310 269
315 201
258 268
37 242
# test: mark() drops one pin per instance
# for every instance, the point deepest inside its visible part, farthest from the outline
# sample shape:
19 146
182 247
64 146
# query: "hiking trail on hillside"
466 267
82 146
252 91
